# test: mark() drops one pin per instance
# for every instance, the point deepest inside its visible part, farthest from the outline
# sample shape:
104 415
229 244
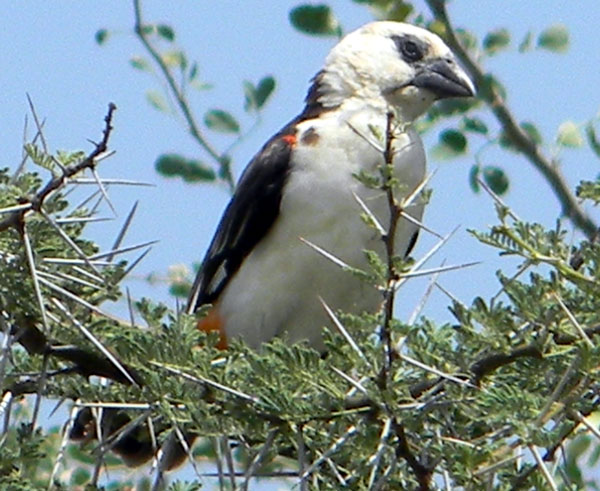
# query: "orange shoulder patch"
214 322
289 139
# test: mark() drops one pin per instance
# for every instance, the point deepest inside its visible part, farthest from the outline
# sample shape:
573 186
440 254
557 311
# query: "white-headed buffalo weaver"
258 275
261 279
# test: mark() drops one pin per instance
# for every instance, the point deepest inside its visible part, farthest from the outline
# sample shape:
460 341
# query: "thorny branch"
422 474
16 218
389 240
520 139
24 331
180 97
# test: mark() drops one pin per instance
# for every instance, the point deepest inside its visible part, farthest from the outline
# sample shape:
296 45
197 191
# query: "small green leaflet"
219 120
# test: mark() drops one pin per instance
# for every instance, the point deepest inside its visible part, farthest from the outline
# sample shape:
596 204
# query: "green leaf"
249 96
569 135
225 168
435 26
467 38
453 107
175 59
199 85
496 179
377 132
532 131
140 63
578 447
592 138
181 289
255 97
101 36
554 38
166 32
399 12
39 157
527 127
452 143
589 190
193 71
170 164
219 120
489 86
195 171
473 175
148 29
190 170
80 477
525 44
474 125
264 89
157 101
496 40
454 140
316 20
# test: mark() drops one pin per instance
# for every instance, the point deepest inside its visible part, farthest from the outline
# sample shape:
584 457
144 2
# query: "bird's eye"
411 51
410 48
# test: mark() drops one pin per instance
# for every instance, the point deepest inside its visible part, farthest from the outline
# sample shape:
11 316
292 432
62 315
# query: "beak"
445 78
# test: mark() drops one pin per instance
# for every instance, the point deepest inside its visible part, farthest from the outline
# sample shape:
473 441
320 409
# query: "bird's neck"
330 91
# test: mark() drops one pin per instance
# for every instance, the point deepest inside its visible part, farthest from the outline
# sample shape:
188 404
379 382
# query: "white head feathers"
391 63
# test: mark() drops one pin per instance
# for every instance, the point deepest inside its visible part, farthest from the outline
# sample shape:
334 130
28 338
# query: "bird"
259 278
262 274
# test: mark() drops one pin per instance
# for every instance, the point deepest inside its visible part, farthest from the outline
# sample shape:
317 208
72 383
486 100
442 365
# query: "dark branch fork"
17 217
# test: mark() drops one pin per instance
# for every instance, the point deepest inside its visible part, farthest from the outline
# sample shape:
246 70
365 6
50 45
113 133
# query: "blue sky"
49 52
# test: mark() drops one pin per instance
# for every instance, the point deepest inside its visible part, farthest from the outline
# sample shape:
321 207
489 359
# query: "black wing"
254 206
247 218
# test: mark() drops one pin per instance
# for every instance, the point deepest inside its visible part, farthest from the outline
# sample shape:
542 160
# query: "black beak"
444 78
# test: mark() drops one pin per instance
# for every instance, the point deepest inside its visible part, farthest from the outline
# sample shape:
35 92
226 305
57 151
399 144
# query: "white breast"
277 287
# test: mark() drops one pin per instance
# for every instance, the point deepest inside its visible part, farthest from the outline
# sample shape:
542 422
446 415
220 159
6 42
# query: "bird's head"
390 63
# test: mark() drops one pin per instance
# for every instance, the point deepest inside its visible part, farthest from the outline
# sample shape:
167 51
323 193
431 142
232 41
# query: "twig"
350 432
389 240
543 468
421 472
211 383
123 231
34 276
492 362
103 190
574 321
257 460
301 457
375 459
65 440
118 365
180 97
57 182
435 371
343 331
518 137
39 125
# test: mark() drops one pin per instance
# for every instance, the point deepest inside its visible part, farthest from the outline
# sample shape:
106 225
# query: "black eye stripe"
410 48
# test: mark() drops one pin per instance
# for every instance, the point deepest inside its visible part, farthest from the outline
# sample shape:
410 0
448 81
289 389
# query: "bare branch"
57 182
511 128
